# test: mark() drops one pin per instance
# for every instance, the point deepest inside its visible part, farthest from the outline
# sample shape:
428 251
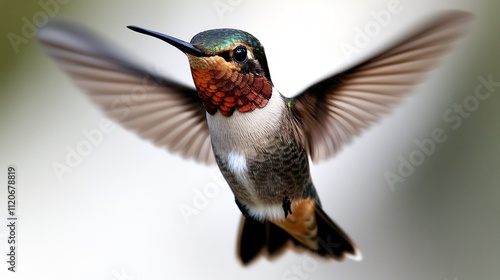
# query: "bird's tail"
312 229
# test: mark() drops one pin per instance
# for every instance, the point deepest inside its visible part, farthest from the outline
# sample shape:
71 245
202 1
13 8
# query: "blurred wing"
161 110
331 112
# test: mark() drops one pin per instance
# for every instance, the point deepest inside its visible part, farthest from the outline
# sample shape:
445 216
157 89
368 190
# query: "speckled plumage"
277 165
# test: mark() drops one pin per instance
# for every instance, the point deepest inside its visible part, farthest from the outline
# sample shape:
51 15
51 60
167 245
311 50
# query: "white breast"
235 138
240 130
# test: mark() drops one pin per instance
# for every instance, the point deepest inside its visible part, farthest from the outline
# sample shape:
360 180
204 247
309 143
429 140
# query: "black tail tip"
333 242
264 238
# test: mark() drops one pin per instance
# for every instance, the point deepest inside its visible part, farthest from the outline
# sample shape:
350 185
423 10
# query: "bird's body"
261 140
262 166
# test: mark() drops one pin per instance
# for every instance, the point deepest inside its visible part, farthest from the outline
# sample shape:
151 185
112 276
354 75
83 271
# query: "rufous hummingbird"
261 140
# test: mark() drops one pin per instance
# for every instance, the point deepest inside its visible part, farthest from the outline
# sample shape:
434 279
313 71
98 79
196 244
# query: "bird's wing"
331 112
159 109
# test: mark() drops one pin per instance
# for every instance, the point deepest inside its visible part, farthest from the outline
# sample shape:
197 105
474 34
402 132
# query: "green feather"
219 40
216 41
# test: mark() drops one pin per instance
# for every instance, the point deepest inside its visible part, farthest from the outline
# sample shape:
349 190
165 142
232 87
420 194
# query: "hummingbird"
234 116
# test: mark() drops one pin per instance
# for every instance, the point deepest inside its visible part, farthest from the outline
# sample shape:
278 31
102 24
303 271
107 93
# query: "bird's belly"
259 155
262 176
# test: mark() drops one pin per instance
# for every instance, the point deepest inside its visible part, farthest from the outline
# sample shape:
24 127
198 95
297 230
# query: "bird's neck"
228 90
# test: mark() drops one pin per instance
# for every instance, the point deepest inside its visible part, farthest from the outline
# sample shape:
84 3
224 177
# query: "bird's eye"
240 54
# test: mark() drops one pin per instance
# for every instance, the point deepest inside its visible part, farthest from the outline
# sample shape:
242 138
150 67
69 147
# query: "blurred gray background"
117 214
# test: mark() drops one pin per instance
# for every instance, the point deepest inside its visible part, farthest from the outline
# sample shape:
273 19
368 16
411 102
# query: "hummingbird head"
229 69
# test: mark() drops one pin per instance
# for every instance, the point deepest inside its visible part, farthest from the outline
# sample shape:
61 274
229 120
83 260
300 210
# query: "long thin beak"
181 45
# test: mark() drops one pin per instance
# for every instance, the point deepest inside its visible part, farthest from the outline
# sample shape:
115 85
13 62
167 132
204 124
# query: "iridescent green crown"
216 41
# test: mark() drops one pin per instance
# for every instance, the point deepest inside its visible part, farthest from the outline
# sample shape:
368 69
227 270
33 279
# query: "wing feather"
333 111
158 109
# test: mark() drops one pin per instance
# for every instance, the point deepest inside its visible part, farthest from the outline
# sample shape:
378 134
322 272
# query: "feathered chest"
227 90
245 131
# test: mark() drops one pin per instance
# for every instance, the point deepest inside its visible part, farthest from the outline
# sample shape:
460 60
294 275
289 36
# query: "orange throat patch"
227 90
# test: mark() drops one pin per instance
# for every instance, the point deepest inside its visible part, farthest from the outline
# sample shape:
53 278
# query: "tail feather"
277 239
266 238
252 239
258 237
332 240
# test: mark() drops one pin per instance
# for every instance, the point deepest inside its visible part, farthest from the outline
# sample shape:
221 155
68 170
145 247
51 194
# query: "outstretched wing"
333 111
159 109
